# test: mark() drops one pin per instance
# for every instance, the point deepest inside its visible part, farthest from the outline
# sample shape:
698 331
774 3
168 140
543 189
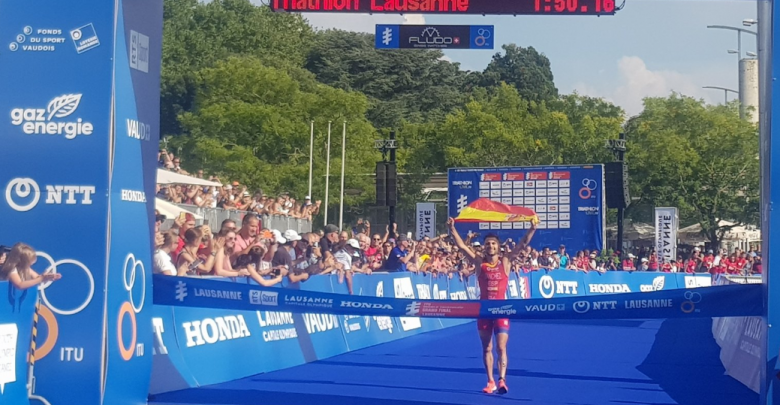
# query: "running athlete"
492 274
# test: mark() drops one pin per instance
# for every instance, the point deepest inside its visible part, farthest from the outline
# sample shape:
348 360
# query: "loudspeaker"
381 185
616 185
392 185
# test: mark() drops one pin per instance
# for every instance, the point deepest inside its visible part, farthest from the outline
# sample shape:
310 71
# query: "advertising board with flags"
566 202
434 36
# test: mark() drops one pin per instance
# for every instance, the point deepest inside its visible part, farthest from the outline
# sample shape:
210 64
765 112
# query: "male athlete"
492 274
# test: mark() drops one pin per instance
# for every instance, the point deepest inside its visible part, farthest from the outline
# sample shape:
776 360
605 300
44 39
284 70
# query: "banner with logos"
190 343
434 36
732 300
81 108
16 326
568 201
426 221
568 283
666 226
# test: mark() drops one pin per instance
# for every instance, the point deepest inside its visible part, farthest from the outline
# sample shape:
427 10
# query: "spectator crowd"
231 196
270 256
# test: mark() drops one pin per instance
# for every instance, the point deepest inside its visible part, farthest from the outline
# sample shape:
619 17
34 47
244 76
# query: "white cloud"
636 81
412 19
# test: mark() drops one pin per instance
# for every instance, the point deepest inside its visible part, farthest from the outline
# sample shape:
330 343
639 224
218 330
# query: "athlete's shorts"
496 325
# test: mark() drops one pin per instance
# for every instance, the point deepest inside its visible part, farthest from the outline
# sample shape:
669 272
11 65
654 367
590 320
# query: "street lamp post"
725 91
739 35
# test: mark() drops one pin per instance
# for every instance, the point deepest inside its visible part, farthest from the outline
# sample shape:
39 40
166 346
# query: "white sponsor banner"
426 220
666 224
8 335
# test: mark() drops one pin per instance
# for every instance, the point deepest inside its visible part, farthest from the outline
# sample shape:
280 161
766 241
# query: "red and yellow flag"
486 210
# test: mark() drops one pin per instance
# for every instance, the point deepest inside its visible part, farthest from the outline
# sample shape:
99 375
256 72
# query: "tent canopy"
170 210
167 177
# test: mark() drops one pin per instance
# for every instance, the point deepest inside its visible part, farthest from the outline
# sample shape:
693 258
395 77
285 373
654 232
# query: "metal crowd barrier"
214 217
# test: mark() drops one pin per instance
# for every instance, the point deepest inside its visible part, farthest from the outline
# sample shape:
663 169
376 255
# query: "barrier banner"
567 283
568 202
81 98
722 301
16 324
190 343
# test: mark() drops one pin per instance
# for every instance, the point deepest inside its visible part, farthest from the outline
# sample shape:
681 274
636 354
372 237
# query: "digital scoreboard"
515 7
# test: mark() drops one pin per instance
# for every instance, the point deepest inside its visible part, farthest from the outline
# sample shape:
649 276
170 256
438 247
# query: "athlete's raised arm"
522 243
470 255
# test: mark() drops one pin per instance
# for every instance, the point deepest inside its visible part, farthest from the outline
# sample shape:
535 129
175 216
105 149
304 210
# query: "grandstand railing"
214 217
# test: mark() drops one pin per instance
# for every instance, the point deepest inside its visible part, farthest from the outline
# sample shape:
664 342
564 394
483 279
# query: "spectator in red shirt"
666 267
652 264
628 263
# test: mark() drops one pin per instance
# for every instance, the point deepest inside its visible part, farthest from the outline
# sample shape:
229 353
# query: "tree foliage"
523 68
241 84
198 34
252 124
411 85
702 159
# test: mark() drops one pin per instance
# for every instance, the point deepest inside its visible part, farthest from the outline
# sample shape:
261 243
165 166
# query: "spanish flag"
486 210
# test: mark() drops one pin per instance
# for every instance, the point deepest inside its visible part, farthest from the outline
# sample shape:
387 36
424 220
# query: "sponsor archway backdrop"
80 126
568 200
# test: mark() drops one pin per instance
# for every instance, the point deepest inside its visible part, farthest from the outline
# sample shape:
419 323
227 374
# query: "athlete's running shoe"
502 388
491 387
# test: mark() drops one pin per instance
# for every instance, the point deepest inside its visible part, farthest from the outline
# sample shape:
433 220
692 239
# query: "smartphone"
409 235
182 216
195 264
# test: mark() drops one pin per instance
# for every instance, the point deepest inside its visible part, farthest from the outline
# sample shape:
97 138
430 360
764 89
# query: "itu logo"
691 299
387 36
52 119
181 291
24 194
130 275
588 187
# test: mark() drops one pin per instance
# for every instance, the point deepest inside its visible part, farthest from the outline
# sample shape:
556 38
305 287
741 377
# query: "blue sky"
649 48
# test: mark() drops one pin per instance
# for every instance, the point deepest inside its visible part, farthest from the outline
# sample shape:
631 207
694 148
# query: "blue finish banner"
734 300
434 36
16 325
569 201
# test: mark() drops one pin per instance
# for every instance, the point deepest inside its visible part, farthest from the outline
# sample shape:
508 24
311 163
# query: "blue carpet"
556 363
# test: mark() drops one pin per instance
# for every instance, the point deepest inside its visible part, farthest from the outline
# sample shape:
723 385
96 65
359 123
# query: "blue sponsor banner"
557 283
82 98
563 283
16 325
133 168
56 107
434 36
569 201
293 326
733 300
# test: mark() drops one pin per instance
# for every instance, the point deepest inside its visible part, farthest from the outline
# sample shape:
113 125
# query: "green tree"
702 159
411 85
593 121
523 68
251 124
198 34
